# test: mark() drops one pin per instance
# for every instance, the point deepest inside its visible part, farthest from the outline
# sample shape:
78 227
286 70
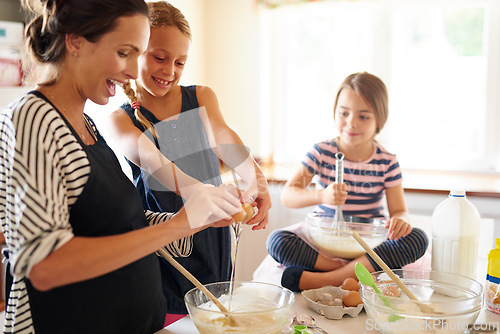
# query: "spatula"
366 278
423 307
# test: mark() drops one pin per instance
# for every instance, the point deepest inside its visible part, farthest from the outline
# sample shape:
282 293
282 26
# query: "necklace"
75 124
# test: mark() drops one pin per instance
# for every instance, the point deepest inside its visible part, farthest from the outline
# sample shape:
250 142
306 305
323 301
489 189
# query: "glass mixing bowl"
455 302
254 308
335 237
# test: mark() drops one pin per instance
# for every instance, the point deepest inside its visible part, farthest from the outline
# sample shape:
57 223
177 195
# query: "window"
439 60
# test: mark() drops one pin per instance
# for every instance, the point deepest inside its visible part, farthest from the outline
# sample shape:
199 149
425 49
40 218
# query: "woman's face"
161 66
112 59
354 118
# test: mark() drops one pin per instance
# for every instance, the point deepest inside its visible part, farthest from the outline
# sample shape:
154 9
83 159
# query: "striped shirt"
43 171
366 180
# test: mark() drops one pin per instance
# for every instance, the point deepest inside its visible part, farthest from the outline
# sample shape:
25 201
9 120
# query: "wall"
194 10
10 11
232 56
225 56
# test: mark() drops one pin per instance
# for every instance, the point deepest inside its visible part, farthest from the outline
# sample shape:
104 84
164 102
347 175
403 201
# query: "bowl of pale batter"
254 308
447 303
334 237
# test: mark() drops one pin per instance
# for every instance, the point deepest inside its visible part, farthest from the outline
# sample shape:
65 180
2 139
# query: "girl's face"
111 60
354 118
161 66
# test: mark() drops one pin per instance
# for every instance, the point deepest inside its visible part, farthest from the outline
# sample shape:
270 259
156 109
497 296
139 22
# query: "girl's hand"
397 228
263 204
334 194
260 200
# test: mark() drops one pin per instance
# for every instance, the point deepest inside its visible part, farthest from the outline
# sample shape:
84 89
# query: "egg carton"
322 301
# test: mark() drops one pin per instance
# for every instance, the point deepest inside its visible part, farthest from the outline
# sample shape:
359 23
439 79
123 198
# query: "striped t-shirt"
43 171
366 180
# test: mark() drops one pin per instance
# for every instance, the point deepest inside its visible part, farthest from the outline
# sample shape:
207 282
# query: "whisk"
339 178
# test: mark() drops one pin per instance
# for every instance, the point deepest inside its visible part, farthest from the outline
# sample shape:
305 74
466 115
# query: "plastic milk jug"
492 289
455 233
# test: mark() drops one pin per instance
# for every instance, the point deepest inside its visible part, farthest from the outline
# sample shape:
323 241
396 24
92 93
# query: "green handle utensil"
365 277
300 329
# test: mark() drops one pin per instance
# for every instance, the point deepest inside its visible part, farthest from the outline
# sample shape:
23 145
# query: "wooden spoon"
193 280
423 307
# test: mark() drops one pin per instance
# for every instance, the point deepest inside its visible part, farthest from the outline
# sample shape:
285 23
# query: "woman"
77 236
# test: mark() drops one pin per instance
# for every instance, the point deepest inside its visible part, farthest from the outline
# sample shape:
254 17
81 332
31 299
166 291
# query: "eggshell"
326 298
337 302
352 299
247 211
314 298
391 291
350 284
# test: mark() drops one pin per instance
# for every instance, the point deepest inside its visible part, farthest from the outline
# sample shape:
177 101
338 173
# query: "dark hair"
53 19
373 90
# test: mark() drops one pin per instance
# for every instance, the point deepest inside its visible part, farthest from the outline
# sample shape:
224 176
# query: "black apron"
210 260
128 300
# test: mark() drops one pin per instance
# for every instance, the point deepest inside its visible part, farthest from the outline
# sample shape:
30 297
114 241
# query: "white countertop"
346 325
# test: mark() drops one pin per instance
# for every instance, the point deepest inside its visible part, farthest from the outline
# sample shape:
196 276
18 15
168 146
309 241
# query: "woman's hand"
211 204
334 194
397 228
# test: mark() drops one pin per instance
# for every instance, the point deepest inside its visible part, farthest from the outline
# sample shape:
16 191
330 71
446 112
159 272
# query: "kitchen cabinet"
10 10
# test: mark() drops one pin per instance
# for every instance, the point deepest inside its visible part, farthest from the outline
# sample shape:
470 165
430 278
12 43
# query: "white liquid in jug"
455 256
455 234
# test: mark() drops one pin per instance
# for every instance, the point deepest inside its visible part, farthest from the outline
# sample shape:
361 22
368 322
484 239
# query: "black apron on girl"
127 300
184 142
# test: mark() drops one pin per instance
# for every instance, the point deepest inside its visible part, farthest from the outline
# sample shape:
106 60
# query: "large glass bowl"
254 308
335 237
451 303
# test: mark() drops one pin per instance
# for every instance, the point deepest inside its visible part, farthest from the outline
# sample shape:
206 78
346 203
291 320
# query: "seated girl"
371 175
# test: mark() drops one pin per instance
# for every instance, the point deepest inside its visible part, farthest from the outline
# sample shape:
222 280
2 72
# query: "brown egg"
391 291
247 211
352 299
350 284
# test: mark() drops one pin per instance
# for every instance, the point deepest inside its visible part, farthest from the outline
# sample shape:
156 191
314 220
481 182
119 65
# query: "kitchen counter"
348 325
486 185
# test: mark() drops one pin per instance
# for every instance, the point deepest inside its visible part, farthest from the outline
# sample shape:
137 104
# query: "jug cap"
457 193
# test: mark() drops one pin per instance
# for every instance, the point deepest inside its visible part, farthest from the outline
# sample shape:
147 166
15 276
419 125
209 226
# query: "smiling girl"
173 137
370 172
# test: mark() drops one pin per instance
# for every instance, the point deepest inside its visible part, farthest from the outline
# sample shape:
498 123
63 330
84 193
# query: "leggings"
294 253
